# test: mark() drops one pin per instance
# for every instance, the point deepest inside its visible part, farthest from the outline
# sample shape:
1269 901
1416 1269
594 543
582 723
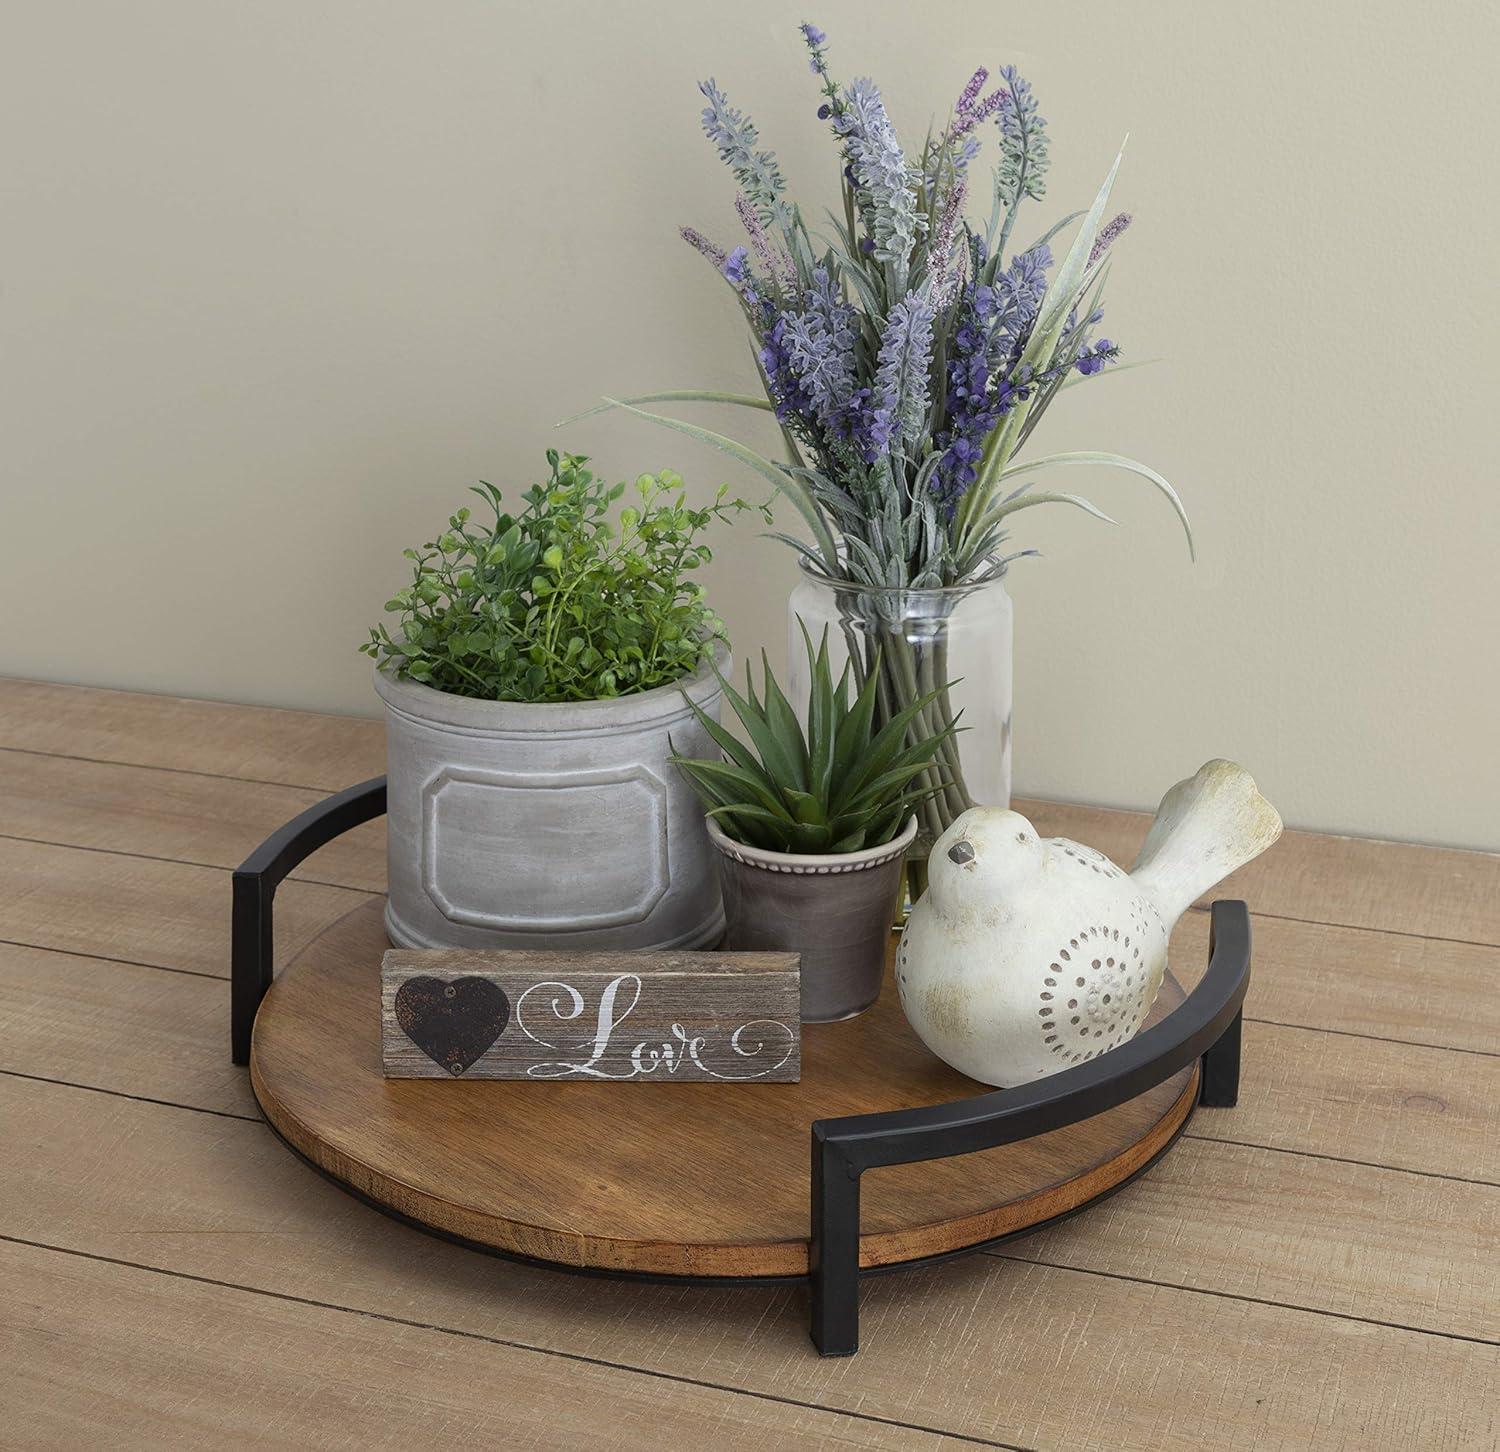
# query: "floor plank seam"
1277 1149
1365 927
573 1356
291 786
1374 1038
137 1098
993 1253
1248 1300
181 862
105 958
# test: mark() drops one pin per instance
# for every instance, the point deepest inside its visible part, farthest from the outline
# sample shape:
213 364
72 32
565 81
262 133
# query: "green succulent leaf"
840 786
726 741
734 784
777 757
809 810
820 717
882 752
782 720
852 738
752 826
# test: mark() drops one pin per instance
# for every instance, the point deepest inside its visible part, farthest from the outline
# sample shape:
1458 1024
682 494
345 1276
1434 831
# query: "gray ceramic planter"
835 910
514 825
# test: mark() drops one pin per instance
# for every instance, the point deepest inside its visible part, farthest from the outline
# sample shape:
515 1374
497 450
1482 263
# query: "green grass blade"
1054 229
1116 461
787 483
671 395
1078 378
1010 506
1052 318
1069 278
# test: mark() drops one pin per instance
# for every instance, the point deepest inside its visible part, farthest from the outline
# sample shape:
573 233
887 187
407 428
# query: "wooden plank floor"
1319 1267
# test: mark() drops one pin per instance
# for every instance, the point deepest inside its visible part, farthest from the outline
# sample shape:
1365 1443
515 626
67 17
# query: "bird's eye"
961 852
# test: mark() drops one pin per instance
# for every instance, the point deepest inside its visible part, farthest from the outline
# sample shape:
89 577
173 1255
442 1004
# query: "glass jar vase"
956 641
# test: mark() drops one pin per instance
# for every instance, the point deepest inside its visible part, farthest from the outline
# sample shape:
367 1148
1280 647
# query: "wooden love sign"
588 1017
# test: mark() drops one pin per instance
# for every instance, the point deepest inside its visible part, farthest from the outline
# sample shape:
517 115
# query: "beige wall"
278 279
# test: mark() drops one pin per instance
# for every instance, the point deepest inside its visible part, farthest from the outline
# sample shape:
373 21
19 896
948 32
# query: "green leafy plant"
841 785
559 602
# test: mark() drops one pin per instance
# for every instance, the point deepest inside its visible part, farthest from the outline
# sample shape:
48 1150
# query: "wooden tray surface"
673 1179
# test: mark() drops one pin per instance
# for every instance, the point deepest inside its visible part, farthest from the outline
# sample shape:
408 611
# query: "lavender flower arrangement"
906 351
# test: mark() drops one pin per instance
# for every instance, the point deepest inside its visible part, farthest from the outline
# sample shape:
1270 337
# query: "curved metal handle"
255 882
1207 1025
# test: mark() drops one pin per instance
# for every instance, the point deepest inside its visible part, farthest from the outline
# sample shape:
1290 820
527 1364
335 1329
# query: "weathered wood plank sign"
587 1017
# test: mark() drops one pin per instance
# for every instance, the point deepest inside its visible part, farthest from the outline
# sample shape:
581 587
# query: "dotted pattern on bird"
1094 992
1088 857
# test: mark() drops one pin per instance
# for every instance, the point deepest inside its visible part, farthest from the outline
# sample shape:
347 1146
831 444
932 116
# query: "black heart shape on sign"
452 1022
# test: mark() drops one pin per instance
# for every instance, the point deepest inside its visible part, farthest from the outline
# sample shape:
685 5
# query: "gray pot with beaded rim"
834 909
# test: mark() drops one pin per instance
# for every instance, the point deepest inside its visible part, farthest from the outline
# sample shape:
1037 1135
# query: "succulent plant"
840 785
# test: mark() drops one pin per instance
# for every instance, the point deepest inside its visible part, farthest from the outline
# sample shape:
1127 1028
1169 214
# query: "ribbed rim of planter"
442 708
811 863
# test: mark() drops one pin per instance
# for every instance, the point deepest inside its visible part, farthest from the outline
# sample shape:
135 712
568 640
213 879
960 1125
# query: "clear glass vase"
958 639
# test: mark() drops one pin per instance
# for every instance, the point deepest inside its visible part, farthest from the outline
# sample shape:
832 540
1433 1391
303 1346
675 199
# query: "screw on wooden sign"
588 1017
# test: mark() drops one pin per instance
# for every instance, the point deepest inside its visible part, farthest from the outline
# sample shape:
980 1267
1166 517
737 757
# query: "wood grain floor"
1317 1268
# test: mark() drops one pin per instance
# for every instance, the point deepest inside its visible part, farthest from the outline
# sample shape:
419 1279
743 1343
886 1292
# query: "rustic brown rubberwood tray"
670 1179
709 1181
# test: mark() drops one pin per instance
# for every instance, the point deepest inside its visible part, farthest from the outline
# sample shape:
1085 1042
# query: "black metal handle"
1207 1025
255 882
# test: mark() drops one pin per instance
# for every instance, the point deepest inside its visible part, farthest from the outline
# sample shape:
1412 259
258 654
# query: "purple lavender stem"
971 91
1107 235
694 238
775 262
945 286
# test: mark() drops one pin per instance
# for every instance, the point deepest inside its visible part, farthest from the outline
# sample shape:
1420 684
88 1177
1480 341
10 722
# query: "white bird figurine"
1026 956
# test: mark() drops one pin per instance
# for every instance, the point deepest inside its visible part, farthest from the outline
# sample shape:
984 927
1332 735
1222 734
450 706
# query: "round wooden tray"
698 1180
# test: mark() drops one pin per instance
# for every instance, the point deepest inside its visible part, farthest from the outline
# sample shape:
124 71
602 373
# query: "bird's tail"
1205 828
